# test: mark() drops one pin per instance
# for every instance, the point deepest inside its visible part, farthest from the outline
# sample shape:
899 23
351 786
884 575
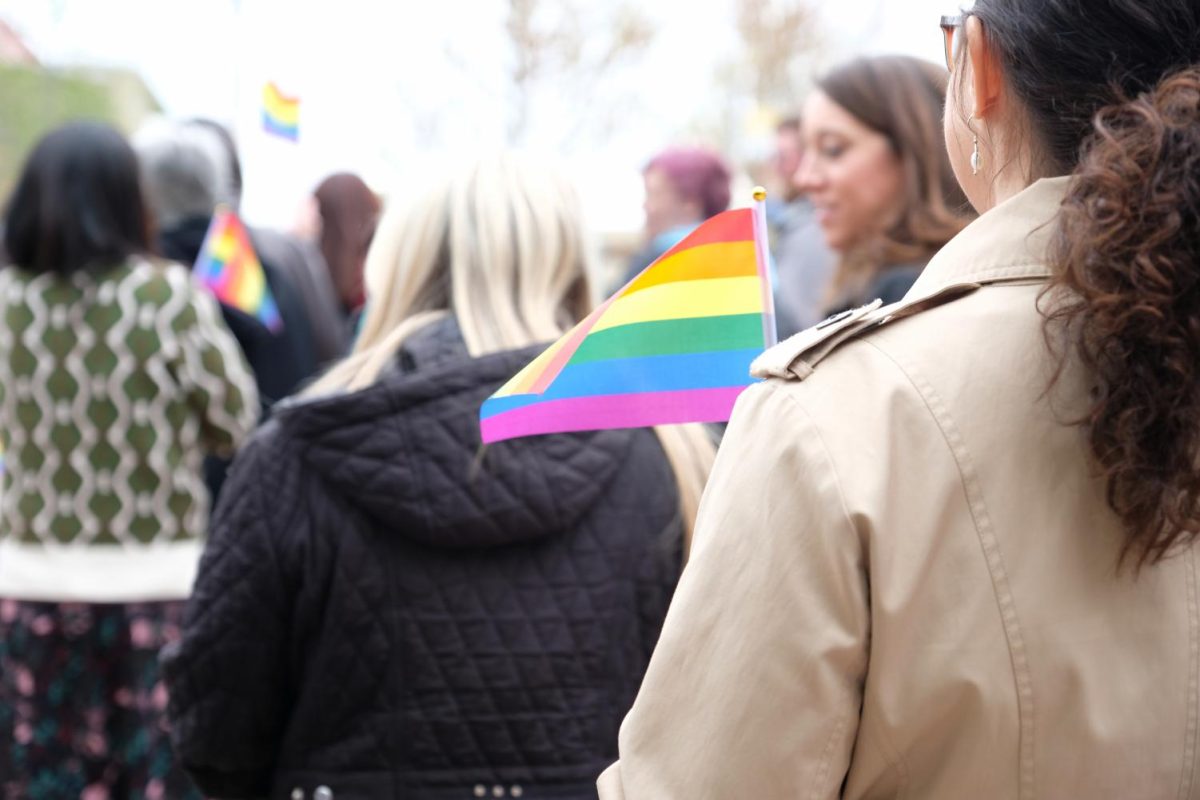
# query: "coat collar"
1008 243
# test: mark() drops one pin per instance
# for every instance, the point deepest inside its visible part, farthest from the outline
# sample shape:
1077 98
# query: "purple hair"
698 175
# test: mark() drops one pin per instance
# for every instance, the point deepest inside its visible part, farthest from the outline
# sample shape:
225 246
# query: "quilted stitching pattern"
379 600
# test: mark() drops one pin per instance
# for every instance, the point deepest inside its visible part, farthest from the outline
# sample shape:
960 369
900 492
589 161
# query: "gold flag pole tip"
760 194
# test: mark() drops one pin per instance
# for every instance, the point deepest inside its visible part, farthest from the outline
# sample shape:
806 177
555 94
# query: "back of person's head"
349 212
501 247
1110 92
185 169
698 176
77 204
233 160
902 98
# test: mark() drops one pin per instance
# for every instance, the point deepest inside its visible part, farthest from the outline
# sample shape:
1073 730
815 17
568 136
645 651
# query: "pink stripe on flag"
604 412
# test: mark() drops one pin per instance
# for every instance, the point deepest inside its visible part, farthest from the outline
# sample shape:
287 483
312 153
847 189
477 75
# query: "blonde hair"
500 247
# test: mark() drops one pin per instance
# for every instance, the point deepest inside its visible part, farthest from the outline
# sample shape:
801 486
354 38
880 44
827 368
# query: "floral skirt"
82 708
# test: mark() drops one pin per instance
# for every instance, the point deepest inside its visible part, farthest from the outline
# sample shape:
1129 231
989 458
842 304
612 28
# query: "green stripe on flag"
670 337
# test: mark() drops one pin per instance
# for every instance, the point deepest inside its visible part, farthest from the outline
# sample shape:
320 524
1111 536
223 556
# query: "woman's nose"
807 176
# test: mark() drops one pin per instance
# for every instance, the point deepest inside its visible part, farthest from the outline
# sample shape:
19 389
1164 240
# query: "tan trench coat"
904 581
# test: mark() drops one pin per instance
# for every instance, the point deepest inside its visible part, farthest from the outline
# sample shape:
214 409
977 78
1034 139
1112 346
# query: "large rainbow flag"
228 266
674 345
281 113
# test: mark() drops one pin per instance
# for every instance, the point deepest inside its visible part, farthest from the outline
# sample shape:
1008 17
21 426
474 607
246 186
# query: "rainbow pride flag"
228 266
281 114
674 345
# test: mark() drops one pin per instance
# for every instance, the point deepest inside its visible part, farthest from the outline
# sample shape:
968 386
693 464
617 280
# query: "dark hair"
1113 97
349 213
78 204
902 98
698 175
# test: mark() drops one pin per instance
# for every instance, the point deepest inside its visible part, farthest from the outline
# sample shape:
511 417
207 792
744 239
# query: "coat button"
516 791
297 793
480 790
498 791
323 793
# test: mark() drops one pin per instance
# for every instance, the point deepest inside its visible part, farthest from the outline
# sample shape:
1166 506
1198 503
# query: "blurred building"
13 50
36 98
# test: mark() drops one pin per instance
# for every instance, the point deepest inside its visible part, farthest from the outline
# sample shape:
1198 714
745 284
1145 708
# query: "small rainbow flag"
281 113
228 266
673 346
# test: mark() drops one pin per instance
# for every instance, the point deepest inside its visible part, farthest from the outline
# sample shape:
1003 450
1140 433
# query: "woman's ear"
985 72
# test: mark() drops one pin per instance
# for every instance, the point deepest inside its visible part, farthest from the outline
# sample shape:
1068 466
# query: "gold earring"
976 159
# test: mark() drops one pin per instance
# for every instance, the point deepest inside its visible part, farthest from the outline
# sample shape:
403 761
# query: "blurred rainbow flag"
228 266
281 113
673 346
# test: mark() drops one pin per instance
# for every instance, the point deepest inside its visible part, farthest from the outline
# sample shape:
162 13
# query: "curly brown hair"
1127 252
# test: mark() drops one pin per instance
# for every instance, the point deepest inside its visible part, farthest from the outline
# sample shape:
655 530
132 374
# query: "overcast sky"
389 88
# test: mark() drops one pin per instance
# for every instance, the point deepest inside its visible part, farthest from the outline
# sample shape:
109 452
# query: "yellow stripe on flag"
716 297
705 262
284 110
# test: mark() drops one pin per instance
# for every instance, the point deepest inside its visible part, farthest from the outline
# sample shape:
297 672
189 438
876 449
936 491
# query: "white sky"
390 87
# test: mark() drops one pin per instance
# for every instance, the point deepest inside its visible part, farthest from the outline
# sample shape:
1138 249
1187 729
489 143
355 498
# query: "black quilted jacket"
388 610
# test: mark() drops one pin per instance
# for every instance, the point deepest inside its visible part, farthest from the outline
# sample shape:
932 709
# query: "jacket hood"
407 451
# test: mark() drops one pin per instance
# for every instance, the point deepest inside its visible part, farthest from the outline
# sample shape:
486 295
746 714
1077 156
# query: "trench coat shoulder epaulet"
796 358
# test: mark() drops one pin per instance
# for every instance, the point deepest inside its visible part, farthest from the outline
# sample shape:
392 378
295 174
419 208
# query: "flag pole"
763 254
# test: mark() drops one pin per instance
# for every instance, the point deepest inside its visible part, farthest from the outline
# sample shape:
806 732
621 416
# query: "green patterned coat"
112 388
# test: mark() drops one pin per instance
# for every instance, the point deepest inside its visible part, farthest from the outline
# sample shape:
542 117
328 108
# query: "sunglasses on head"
952 38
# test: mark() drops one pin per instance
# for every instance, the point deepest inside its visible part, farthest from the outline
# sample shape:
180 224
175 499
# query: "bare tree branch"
549 44
779 37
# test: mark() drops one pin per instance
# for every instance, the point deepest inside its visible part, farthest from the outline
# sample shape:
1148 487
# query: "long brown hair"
1121 111
902 98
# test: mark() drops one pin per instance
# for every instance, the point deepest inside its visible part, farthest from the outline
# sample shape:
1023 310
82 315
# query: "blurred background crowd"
354 145
395 96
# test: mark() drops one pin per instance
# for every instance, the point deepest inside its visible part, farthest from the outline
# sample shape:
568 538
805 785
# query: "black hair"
1068 59
78 203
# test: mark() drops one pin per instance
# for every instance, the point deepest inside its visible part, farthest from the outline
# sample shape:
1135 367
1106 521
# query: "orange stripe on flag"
728 226
716 260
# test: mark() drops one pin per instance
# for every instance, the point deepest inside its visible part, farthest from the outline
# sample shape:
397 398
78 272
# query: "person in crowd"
875 169
188 175
348 212
406 612
803 262
298 259
116 375
948 549
684 187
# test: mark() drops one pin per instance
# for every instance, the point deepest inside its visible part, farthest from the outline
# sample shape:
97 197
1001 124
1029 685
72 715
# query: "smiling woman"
876 170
